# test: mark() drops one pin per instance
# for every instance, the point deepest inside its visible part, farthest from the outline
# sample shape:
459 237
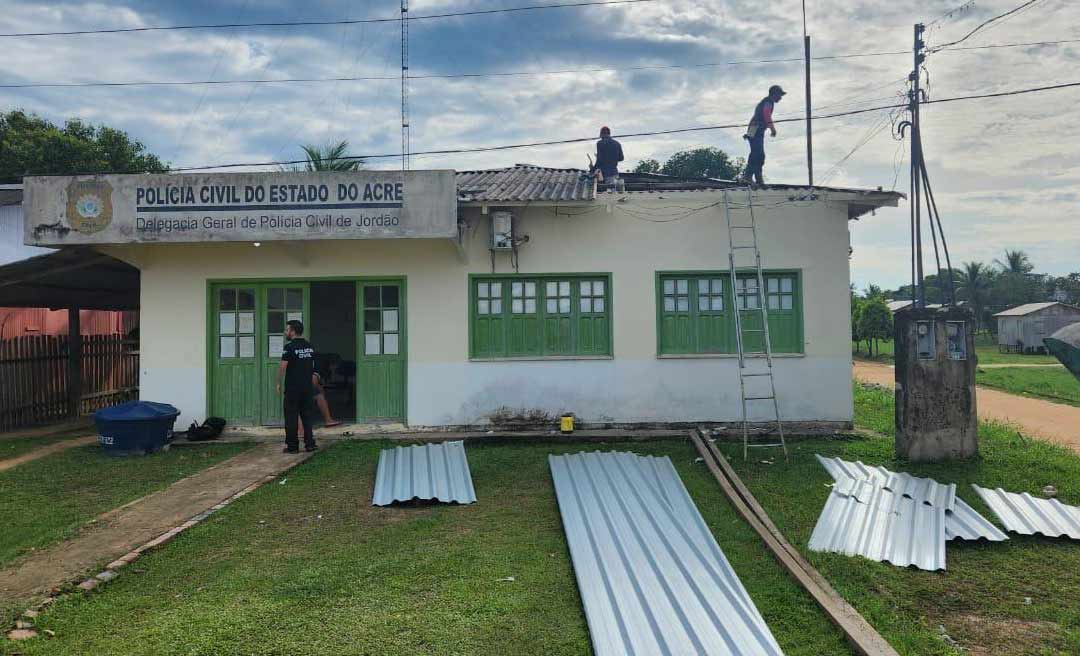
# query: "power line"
985 23
496 74
1008 45
560 142
218 26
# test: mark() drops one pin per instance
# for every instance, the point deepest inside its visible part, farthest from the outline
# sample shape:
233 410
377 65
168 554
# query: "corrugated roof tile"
961 520
651 576
523 183
427 471
885 527
1028 515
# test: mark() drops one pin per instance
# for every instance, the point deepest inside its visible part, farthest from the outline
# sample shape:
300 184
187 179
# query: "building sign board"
120 209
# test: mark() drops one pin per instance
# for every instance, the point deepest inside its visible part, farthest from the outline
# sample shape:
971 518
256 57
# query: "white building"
1024 327
617 307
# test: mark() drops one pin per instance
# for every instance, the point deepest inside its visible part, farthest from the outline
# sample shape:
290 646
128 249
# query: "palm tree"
1015 262
973 285
334 156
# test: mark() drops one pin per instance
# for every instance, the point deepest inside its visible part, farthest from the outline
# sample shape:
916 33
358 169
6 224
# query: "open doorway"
333 334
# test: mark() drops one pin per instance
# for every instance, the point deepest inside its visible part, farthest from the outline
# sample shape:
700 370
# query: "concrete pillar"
936 415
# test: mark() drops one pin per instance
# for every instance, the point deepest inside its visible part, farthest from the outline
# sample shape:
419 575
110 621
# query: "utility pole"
809 126
918 290
405 147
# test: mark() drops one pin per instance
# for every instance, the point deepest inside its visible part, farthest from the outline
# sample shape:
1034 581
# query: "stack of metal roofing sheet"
652 578
1028 515
862 518
427 471
962 522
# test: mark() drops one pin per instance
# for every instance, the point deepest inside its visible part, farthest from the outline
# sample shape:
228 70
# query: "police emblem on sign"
89 205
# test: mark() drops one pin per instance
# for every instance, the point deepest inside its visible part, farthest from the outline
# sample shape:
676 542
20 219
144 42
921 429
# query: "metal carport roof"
70 278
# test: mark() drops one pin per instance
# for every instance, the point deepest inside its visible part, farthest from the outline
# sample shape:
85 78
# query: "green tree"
973 285
1016 262
875 323
856 309
647 166
702 163
32 145
695 163
873 291
334 156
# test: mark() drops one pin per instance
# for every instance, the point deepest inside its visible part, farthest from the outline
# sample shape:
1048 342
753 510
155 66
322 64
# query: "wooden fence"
34 377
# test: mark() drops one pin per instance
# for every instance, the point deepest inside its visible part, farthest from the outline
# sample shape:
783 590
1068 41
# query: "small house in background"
1022 329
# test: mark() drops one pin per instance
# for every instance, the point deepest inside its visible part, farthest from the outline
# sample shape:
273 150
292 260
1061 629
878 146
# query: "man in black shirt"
297 365
608 155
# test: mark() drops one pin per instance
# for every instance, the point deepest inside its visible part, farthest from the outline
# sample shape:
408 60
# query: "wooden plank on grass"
863 637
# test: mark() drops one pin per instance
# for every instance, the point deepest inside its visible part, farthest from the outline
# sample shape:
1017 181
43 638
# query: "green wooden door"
279 302
380 369
234 392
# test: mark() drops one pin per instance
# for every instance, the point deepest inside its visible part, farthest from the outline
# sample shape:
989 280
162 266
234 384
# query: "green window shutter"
540 316
524 321
677 334
783 296
488 313
714 321
696 312
558 308
593 325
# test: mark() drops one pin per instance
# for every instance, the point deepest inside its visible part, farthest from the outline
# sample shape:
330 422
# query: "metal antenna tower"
405 147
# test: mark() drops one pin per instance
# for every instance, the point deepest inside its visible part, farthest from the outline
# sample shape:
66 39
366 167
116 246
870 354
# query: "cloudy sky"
1006 171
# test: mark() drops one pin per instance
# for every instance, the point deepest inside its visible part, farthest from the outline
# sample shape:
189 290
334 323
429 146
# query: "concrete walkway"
46 450
1055 422
119 531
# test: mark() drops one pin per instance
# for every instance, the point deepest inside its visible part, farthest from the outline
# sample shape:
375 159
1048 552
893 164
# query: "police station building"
441 298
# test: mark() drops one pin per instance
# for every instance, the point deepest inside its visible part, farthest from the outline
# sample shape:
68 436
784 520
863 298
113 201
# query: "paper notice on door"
275 345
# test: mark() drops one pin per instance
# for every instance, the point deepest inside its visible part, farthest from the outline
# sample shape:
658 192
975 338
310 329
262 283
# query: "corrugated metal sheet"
962 522
1028 515
522 183
651 576
923 490
426 471
886 527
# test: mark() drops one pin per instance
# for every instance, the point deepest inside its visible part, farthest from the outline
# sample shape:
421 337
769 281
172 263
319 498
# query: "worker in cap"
608 155
755 134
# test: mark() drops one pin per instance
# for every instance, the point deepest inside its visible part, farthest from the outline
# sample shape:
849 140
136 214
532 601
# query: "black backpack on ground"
210 430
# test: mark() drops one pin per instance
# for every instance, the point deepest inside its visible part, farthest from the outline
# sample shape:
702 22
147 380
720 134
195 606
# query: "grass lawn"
1053 384
14 445
980 599
47 500
310 567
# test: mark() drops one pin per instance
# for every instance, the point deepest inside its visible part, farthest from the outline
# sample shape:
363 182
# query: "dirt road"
1052 421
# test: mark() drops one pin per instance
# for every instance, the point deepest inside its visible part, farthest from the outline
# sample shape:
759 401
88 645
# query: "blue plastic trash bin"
135 427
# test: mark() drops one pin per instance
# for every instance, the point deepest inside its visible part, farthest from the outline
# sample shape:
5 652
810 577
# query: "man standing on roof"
755 134
608 155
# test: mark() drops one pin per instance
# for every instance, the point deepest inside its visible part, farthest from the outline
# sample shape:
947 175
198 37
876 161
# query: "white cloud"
1003 170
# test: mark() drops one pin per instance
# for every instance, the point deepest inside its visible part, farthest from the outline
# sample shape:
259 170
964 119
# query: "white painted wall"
12 248
645 234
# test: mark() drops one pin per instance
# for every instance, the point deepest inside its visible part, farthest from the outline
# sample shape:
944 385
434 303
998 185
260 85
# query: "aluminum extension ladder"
742 239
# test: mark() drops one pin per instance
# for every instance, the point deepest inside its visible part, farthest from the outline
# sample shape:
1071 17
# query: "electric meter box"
934 350
502 231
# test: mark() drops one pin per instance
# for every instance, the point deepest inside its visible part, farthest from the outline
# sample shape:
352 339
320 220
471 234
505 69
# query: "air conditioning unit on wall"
502 231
